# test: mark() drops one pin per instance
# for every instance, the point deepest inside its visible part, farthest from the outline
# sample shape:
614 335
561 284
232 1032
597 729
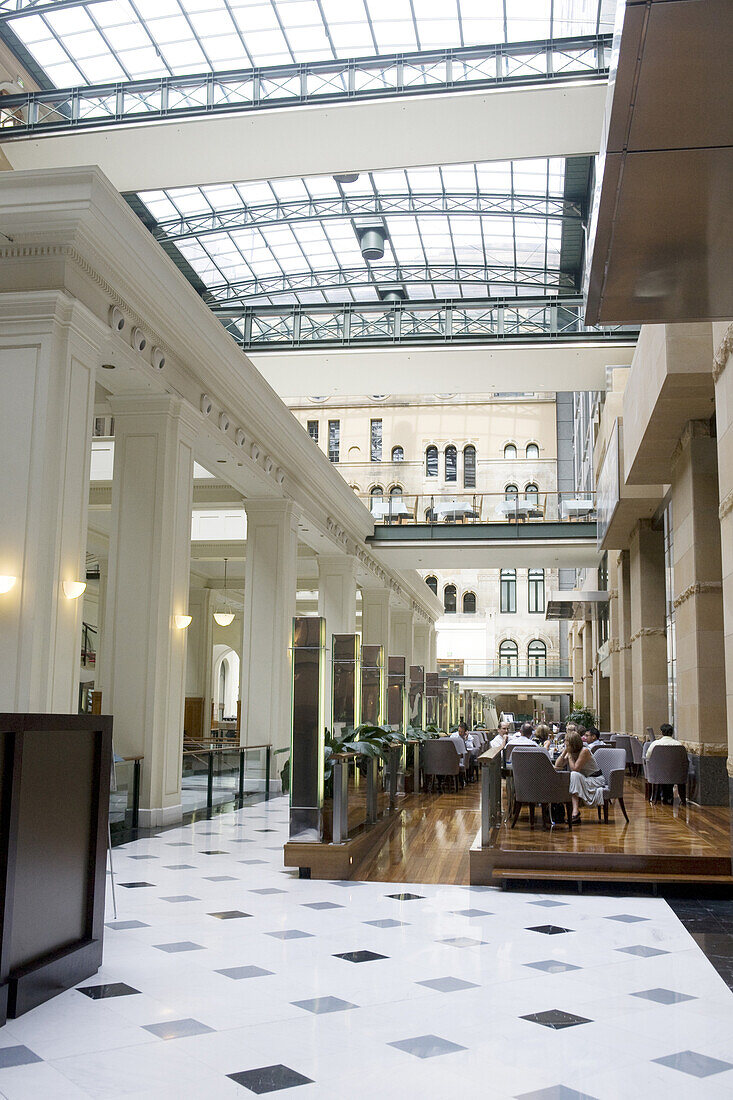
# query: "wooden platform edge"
341 861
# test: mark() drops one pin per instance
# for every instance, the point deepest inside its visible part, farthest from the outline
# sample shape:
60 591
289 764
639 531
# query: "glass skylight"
99 41
317 259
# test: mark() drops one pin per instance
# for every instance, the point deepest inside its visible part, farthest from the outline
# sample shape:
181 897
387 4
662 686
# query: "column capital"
264 509
337 564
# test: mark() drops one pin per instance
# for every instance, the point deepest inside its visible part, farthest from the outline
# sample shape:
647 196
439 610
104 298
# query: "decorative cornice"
614 646
648 632
693 429
723 353
612 594
697 589
726 505
706 748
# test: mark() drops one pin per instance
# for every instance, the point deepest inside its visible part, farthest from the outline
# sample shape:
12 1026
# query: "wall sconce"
73 589
6 583
182 621
224 618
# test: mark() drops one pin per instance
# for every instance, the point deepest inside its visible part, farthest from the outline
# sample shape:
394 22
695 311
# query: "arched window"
451 463
398 454
508 658
396 492
508 591
432 583
469 603
532 451
511 492
510 451
469 467
376 493
532 495
449 599
537 658
536 590
431 461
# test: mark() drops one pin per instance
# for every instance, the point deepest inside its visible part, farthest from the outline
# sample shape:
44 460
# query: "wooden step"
530 875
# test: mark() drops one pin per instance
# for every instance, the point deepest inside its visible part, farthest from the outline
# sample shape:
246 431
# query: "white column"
270 583
337 605
402 638
48 358
149 562
202 603
432 665
421 644
100 666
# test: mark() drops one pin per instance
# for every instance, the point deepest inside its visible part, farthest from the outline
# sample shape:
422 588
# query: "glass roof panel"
106 40
266 242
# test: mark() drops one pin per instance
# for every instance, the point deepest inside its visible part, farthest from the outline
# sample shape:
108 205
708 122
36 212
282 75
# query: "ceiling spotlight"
346 177
73 589
372 237
392 292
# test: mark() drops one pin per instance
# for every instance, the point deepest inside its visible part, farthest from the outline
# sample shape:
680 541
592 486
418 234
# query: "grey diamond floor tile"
664 996
549 929
471 913
347 883
142 857
122 925
462 941
17 1056
448 985
642 951
265 890
387 922
251 862
555 1092
174 948
220 878
177 1029
236 973
180 867
321 905
360 956
319 1005
427 1046
269 1079
694 1064
556 1019
180 897
553 966
290 934
548 903
230 914
627 918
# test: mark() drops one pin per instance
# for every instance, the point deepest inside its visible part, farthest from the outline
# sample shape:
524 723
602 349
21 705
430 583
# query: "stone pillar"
48 358
625 670
421 644
337 605
376 614
588 662
100 663
149 564
648 635
402 639
270 584
615 717
698 603
723 376
202 602
575 644
432 665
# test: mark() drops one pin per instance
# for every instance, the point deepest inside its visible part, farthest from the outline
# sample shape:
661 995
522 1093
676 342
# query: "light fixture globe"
224 618
182 621
74 589
6 583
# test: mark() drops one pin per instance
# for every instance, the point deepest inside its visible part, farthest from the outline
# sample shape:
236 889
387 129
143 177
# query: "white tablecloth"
518 509
453 509
383 509
577 507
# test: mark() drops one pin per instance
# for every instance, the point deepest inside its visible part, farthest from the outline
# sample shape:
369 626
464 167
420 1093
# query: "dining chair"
668 766
536 781
440 760
612 763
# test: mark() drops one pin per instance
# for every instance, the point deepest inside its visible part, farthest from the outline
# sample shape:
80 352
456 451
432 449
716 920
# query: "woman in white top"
586 778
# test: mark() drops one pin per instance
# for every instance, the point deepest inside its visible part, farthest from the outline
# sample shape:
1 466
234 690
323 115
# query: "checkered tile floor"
225 976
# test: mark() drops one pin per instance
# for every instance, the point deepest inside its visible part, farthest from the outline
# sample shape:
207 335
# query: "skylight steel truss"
423 72
355 206
352 278
425 322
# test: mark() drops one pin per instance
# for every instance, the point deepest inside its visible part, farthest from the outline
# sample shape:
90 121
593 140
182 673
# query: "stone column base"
162 815
711 780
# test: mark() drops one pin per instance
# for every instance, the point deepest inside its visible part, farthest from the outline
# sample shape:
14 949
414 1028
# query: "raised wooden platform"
343 861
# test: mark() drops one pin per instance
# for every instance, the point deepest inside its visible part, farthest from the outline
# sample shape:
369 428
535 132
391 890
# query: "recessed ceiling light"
108 366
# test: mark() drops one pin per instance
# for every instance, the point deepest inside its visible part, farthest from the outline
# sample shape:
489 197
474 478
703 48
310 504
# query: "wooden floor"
431 842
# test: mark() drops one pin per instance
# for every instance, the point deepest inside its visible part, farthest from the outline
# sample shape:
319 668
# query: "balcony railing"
428 71
513 668
474 507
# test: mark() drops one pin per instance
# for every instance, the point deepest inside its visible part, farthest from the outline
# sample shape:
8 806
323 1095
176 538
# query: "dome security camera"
223 421
158 358
206 404
116 319
240 438
138 339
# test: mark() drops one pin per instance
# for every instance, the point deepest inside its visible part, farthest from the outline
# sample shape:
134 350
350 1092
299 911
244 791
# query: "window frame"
313 424
534 447
466 595
334 440
469 472
507 591
401 453
375 439
446 589
451 451
428 580
431 451
537 657
535 589
508 658
509 447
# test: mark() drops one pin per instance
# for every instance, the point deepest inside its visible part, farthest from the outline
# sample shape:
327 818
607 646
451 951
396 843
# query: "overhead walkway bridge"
485 530
539 676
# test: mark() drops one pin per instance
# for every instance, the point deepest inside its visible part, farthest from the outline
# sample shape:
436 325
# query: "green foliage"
582 715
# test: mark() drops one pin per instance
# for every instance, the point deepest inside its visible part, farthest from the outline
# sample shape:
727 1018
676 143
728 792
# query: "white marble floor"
226 975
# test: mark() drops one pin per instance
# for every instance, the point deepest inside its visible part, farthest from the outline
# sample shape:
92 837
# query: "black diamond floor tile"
549 929
406 897
359 956
230 914
269 1079
110 989
556 1019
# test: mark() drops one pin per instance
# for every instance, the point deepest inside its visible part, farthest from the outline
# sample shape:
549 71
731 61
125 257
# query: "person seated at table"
586 778
523 737
667 738
571 727
593 740
468 739
543 735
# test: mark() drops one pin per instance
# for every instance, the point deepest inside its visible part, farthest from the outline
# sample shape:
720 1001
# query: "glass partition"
372 685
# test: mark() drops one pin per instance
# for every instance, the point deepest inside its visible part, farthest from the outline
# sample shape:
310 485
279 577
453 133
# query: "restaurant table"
389 509
453 510
518 509
577 508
